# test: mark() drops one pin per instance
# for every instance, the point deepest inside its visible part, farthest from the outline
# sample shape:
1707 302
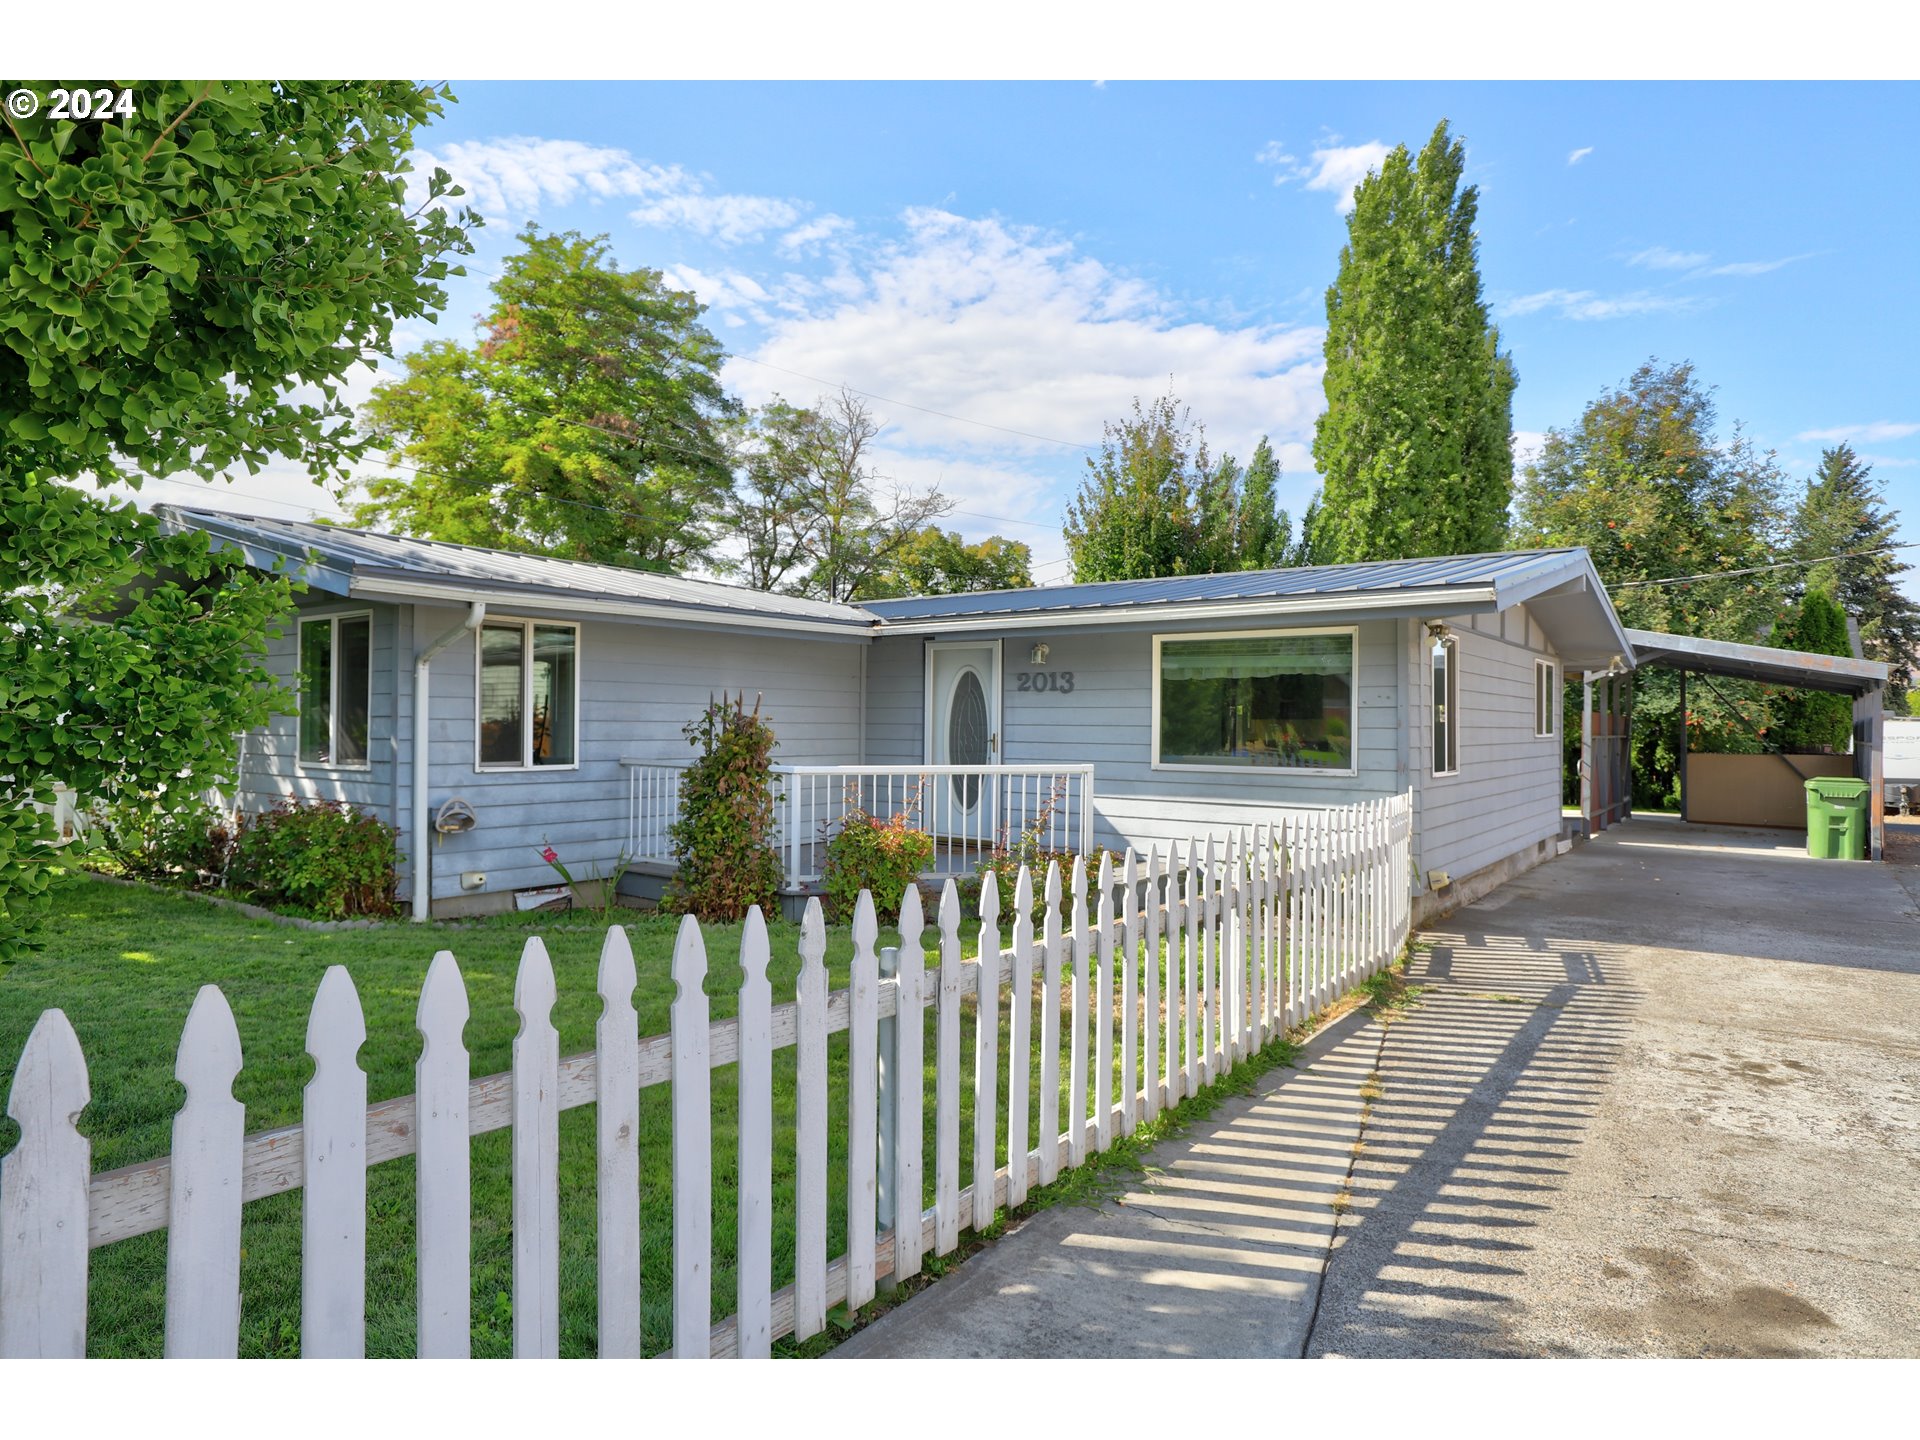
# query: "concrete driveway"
1658 1097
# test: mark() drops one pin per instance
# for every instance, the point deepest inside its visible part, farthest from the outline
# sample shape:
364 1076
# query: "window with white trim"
1255 699
1545 693
336 685
528 702
1446 706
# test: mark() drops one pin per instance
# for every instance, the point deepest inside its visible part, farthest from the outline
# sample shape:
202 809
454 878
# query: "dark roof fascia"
1837 674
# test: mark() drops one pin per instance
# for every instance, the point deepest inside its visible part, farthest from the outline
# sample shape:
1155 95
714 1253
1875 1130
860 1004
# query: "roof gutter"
373 588
422 768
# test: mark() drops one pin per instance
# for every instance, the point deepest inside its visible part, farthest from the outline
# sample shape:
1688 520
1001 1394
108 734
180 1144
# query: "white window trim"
1452 646
1352 632
1546 696
311 617
525 624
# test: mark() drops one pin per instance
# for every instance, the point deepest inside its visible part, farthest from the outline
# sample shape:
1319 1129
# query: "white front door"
963 728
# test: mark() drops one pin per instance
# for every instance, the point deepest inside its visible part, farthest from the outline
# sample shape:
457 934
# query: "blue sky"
1032 256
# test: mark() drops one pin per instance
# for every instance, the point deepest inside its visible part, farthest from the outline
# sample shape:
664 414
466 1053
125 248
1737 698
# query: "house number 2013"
1057 682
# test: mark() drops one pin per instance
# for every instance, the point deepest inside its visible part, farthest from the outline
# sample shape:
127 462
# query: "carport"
1604 763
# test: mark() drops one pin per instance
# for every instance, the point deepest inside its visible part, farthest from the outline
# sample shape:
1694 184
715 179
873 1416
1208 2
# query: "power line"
1760 569
923 409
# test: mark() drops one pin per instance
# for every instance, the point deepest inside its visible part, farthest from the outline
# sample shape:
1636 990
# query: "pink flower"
549 854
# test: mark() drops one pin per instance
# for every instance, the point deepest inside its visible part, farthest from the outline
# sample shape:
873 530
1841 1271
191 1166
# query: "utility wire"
1759 569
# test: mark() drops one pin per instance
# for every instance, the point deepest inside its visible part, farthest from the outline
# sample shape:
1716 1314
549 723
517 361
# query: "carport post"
1587 756
1685 742
1869 764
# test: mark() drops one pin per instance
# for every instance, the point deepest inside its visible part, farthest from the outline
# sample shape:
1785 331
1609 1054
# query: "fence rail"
965 809
1212 951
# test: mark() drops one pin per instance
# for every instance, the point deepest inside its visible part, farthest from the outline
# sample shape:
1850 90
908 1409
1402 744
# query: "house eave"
1450 600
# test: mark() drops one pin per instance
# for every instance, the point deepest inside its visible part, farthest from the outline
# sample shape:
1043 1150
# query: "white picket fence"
1262 929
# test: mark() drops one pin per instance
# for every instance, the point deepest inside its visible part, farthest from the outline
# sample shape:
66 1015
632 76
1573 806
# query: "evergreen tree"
1156 503
1844 512
1809 720
1415 443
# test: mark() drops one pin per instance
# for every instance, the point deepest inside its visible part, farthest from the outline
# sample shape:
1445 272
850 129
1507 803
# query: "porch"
967 810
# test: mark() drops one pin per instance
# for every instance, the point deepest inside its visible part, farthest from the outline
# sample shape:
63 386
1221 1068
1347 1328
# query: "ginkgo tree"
187 290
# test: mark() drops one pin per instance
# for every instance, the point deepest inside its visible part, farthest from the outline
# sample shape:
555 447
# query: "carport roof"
1839 673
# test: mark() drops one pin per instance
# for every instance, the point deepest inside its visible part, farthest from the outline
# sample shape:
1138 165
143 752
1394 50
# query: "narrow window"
336 685
1446 697
529 695
1543 697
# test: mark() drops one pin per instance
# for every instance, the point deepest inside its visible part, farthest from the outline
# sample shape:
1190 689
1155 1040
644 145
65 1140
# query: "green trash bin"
1837 818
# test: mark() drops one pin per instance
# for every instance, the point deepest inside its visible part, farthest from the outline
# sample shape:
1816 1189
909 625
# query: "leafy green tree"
170 279
1648 487
1843 512
1415 442
1810 720
581 423
1156 503
939 562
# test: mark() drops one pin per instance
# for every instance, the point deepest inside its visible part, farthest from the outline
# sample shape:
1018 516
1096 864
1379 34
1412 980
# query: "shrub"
876 855
723 841
135 837
318 857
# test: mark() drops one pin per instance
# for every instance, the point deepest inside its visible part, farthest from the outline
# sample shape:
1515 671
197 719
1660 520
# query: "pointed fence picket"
1232 938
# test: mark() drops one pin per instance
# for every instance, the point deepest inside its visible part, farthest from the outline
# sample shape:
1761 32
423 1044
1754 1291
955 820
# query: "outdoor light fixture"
1038 654
1438 630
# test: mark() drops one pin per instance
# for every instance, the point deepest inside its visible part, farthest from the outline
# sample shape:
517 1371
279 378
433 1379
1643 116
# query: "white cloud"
510 179
1588 305
732 295
1659 257
1333 166
1578 155
1015 329
1888 462
728 219
1754 267
1867 434
1527 445
806 238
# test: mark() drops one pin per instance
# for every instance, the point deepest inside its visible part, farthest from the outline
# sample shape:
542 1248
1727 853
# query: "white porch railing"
966 809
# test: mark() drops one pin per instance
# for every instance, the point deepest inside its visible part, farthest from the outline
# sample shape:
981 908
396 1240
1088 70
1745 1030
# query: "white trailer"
1901 765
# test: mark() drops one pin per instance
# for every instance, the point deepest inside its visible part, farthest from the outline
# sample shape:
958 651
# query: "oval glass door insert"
967 735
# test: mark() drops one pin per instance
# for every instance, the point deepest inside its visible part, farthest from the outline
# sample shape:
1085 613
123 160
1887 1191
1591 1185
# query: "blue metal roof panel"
366 553
1368 577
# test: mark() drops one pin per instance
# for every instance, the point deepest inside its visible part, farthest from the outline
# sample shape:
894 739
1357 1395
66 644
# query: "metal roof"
365 564
1839 673
1470 572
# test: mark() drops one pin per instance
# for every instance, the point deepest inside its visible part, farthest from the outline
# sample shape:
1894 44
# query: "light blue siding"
1506 796
639 685
270 767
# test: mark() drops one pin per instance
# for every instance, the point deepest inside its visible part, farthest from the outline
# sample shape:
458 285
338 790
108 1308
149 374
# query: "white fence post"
810 1127
536 1160
753 1192
986 1051
1129 1000
863 1079
1077 1066
1050 1030
443 1183
909 1089
1150 989
43 1200
203 1217
946 1137
616 1037
333 1212
1019 1039
692 1150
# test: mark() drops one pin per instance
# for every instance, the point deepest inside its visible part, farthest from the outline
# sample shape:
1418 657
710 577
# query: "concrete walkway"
1659 1097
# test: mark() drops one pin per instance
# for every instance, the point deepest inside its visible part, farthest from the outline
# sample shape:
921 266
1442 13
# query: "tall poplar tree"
1415 443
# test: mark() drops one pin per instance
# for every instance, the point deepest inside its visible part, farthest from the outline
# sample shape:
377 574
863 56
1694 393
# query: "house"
547 697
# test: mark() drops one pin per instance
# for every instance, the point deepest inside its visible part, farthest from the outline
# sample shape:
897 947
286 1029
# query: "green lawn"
124 965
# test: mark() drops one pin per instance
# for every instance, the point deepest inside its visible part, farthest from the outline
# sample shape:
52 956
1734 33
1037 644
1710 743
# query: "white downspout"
422 766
